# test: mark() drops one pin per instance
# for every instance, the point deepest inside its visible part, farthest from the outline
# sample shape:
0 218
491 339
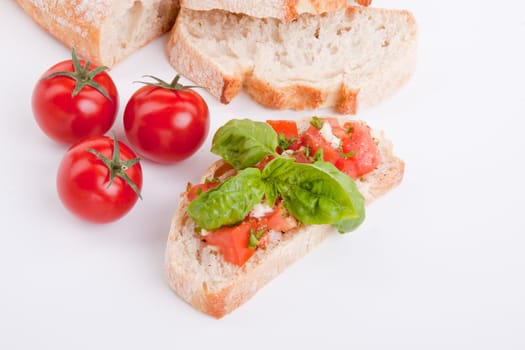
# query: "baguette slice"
103 31
198 273
357 56
281 9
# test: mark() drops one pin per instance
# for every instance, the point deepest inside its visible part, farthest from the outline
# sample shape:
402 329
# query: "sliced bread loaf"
280 9
198 273
356 56
105 31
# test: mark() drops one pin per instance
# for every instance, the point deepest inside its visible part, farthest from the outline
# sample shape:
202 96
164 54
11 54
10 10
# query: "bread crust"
80 24
55 18
186 274
286 10
346 97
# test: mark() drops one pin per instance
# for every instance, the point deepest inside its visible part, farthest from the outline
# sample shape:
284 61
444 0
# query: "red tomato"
67 114
347 166
233 242
315 141
196 190
89 189
165 122
279 220
361 147
288 128
337 130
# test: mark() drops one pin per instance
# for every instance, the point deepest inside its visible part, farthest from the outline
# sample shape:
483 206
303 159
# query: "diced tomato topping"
357 156
360 147
347 166
315 141
279 220
196 190
263 162
288 128
337 130
233 242
300 157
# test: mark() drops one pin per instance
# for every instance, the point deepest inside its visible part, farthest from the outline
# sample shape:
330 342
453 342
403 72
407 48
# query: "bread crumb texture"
358 55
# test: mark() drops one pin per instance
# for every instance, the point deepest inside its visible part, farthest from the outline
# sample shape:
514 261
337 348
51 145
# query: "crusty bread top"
200 275
280 9
103 31
350 58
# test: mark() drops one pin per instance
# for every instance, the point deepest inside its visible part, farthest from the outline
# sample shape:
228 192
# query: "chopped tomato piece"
359 146
279 220
233 241
315 141
264 162
337 130
300 157
198 189
347 166
288 134
288 128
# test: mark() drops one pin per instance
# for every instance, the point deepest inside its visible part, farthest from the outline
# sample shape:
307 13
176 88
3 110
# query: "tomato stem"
117 167
174 85
82 76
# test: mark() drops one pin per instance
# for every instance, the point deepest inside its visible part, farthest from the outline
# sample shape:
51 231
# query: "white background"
438 264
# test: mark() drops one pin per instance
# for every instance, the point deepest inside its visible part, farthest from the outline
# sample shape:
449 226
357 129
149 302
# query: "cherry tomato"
73 100
166 122
99 179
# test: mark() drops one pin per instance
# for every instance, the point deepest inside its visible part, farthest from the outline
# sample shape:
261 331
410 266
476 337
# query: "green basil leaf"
230 202
312 193
357 199
243 143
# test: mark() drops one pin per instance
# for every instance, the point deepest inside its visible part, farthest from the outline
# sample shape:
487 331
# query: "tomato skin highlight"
66 118
83 181
164 125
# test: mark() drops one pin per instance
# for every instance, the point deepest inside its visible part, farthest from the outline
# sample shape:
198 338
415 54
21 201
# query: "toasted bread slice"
350 58
198 273
104 32
281 9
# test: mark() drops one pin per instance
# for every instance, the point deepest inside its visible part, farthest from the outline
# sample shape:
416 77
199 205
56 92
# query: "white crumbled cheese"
326 132
289 153
260 210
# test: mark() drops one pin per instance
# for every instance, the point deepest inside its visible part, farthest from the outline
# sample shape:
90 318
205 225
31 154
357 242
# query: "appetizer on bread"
103 32
285 10
347 59
280 188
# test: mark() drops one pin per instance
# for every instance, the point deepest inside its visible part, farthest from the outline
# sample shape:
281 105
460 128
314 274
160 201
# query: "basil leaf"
230 202
313 194
358 201
243 143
